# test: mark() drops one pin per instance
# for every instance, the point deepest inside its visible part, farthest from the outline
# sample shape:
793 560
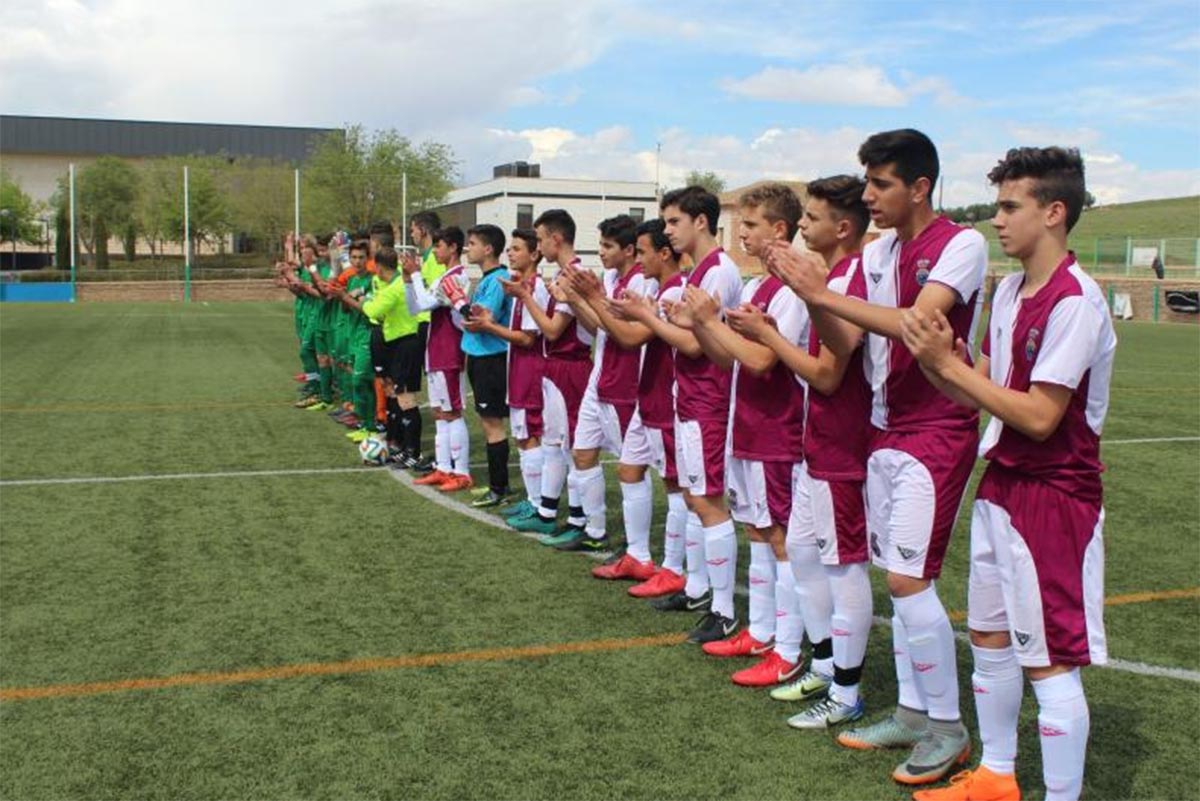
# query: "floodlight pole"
187 241
296 209
404 208
74 255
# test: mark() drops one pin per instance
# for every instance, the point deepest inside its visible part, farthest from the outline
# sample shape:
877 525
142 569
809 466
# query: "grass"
1145 219
113 581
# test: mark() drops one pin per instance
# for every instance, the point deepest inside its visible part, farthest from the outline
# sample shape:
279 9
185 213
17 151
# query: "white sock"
554 473
697 567
460 446
931 648
1064 723
531 473
762 591
441 446
573 499
591 491
637 503
789 622
676 532
812 592
910 692
850 587
720 552
998 683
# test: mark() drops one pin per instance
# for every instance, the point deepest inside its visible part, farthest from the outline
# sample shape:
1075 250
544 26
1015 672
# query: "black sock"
823 649
847 677
549 503
497 456
395 432
411 419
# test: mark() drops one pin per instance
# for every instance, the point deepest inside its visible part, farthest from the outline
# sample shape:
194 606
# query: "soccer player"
388 308
568 350
611 395
353 287
829 524
308 276
323 316
291 278
1036 594
690 217
526 366
923 445
650 438
421 229
487 365
445 365
766 436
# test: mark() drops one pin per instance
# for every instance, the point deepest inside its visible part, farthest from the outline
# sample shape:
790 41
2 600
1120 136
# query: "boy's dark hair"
557 221
621 229
358 244
451 235
489 234
844 194
385 256
427 221
528 236
911 153
778 202
694 201
381 232
656 229
1057 174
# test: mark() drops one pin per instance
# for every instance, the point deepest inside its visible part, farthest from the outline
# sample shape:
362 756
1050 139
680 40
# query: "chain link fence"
1123 256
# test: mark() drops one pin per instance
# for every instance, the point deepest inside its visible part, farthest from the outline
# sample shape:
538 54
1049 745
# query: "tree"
18 213
261 200
1089 200
107 192
707 179
354 178
160 211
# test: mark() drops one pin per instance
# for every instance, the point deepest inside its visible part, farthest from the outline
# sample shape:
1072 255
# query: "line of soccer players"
831 407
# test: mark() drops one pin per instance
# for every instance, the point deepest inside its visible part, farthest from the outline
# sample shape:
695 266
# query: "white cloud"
842 85
828 84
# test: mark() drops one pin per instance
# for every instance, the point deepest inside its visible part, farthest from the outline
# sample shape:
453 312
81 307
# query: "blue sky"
590 87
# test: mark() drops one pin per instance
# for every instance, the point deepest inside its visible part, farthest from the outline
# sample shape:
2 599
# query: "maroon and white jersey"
656 385
702 387
616 370
527 365
443 350
1062 335
575 343
768 410
944 253
838 434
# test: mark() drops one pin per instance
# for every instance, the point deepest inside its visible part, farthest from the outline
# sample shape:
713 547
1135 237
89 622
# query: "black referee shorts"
407 363
489 383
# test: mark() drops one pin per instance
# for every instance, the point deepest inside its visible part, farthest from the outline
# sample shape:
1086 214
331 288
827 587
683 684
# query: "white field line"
37 482
1147 440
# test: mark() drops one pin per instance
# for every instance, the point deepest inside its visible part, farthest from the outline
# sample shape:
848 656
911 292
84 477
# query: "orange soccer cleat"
975 785
625 568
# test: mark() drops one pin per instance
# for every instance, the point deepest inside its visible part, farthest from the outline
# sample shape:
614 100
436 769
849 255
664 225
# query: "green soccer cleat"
566 535
320 406
806 688
535 524
886 733
359 434
825 714
934 756
523 508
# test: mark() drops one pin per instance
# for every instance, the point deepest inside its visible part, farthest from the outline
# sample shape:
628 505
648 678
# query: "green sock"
326 383
364 398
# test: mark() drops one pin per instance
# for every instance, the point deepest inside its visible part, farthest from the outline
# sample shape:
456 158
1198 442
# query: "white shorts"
447 388
525 423
643 446
556 423
701 456
760 493
830 515
599 425
1037 572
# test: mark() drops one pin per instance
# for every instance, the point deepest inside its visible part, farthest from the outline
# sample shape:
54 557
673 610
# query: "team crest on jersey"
1031 343
922 271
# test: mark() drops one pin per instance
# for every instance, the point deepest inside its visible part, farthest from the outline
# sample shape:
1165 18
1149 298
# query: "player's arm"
676 333
719 341
417 296
627 334
483 322
1035 413
823 372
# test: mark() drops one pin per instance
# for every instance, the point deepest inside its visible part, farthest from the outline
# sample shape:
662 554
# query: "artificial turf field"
333 634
